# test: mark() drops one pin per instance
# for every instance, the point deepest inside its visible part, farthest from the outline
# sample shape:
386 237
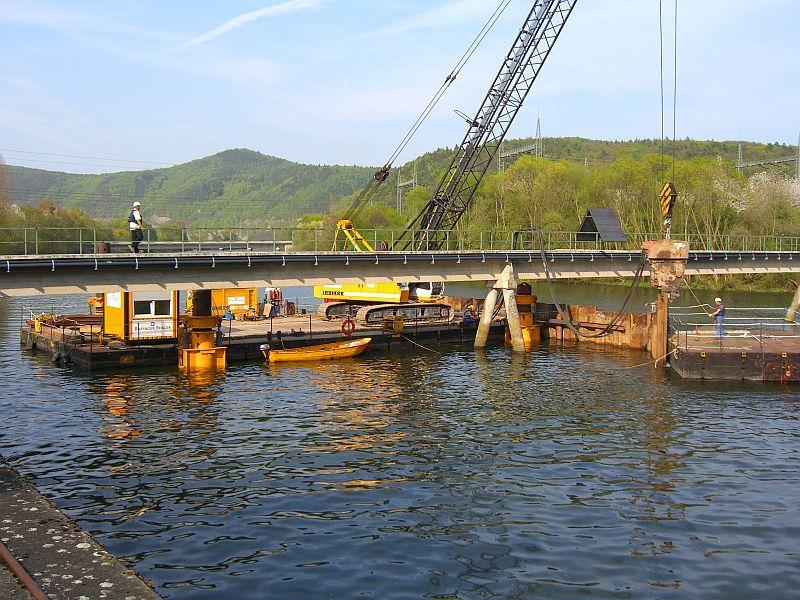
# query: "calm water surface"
567 473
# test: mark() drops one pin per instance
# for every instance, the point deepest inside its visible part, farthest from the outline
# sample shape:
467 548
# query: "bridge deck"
75 274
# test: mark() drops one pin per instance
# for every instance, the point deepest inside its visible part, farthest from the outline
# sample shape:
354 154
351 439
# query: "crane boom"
491 123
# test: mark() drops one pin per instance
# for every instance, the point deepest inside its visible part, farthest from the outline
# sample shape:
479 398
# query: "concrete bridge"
35 275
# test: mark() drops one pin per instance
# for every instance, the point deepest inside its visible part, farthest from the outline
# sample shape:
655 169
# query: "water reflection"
118 409
563 472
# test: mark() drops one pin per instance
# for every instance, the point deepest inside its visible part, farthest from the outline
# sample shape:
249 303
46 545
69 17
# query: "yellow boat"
344 349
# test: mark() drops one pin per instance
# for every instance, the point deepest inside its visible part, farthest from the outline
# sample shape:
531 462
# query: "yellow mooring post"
199 350
526 306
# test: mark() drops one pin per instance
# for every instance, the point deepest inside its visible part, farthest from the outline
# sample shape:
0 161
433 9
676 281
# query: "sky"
96 86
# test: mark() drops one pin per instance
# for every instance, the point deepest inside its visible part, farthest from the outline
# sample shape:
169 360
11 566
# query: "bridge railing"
695 328
75 240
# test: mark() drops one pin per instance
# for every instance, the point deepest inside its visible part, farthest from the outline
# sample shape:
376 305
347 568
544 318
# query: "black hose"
611 324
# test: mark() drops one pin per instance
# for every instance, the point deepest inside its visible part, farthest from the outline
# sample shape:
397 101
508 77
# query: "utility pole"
740 160
538 145
797 166
501 154
401 185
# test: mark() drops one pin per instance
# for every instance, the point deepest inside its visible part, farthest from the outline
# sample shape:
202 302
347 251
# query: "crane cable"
607 330
364 196
661 76
451 77
674 86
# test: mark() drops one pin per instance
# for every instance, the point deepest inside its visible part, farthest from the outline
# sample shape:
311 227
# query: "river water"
569 472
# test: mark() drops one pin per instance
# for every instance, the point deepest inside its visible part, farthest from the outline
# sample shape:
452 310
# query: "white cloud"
270 11
438 16
70 21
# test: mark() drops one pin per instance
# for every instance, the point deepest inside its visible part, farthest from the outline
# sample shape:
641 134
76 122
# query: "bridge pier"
507 283
485 323
794 306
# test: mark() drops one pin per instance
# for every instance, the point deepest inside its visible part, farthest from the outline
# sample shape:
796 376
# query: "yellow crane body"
362 292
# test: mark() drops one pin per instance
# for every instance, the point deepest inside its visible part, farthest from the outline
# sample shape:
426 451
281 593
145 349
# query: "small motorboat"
344 349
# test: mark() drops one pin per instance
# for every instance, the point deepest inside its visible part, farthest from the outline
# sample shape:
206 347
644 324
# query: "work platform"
746 355
78 345
741 354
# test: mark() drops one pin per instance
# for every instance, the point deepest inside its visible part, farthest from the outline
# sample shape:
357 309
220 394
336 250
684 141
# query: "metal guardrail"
756 323
44 241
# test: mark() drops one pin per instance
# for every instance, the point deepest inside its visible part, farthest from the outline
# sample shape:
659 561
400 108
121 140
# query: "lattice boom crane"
371 304
428 230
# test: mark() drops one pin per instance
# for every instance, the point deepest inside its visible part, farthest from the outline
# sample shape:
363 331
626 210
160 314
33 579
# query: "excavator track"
421 313
338 310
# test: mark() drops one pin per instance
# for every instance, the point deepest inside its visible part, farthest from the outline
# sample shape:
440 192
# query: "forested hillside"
246 188
600 151
235 187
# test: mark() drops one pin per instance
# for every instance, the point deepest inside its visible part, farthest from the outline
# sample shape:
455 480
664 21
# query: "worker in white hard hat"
718 315
136 226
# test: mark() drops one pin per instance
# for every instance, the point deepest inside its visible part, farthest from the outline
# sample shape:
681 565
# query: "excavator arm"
345 230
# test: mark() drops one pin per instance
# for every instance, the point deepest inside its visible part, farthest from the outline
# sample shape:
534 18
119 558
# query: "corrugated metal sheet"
602 222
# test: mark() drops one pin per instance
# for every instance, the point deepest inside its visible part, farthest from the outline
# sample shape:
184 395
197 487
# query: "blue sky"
339 81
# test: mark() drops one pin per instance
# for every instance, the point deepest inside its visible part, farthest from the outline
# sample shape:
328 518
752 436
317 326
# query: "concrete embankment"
10 586
62 559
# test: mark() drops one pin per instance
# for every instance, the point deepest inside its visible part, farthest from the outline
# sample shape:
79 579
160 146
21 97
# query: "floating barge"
773 356
76 339
744 356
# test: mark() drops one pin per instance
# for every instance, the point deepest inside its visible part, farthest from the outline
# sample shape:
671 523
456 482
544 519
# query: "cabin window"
142 308
162 308
152 308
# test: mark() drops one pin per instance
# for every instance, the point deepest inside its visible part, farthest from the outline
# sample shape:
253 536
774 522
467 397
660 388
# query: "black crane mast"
429 229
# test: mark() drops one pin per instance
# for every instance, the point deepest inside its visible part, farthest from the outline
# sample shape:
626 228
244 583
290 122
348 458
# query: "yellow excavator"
428 231
371 303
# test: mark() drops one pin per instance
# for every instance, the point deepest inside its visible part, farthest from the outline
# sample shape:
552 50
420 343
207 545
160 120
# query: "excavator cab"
426 291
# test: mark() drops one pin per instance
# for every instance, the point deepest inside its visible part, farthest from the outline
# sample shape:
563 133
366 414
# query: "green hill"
246 188
234 187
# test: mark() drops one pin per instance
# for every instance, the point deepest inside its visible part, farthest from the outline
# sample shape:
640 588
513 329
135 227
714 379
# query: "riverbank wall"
49 551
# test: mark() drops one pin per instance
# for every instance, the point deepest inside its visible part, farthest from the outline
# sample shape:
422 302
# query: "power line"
99 196
59 162
118 160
